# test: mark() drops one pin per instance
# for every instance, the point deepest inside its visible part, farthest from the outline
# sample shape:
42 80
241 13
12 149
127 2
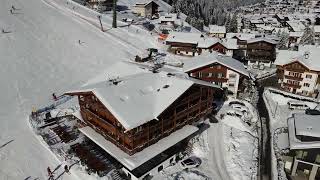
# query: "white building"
298 71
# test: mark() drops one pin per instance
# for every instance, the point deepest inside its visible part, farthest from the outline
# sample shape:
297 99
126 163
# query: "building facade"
261 51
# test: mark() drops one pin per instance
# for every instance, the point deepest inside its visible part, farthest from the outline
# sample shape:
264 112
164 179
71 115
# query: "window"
210 75
220 75
305 154
317 158
171 160
306 84
232 75
160 168
231 85
308 76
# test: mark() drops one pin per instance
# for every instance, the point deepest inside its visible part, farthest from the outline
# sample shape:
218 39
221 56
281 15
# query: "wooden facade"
183 48
214 73
195 103
261 51
218 47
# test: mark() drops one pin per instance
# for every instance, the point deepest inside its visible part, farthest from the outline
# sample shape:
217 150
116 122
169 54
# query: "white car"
240 107
190 162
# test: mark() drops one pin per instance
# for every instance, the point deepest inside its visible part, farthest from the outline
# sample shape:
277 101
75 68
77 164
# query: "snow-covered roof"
241 36
295 34
143 2
137 159
307 125
297 26
182 37
296 143
171 17
307 55
230 43
256 21
317 29
207 42
266 28
254 40
215 29
213 58
141 89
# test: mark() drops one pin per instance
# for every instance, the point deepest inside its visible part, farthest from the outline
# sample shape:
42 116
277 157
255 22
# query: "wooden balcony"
292 85
293 78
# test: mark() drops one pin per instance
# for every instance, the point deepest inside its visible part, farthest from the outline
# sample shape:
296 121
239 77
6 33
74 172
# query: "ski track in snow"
42 56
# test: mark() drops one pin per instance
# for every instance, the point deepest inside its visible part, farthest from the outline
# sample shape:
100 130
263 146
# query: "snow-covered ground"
228 149
279 113
40 56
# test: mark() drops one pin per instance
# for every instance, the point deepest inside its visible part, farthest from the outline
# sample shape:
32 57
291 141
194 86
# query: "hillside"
204 12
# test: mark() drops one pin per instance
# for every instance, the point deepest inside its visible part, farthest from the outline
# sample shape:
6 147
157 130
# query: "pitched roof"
207 42
241 36
212 58
230 43
138 96
297 26
182 37
217 29
307 55
260 39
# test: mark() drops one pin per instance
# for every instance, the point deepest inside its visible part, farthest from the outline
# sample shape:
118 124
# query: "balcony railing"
292 85
293 78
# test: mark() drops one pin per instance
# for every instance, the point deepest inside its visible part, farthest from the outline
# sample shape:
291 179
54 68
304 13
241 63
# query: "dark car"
312 112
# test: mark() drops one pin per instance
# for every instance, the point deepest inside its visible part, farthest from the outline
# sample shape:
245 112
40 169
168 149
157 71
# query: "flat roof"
307 125
137 159
296 143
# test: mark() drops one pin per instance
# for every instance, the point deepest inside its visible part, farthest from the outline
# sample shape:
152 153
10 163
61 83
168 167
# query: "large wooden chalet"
261 51
137 111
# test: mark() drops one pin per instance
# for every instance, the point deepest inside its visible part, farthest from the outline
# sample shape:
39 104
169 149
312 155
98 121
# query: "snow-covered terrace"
134 161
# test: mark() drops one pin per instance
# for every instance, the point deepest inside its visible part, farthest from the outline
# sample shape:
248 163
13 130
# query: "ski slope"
42 55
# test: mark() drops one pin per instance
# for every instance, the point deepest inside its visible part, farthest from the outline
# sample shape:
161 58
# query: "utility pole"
114 23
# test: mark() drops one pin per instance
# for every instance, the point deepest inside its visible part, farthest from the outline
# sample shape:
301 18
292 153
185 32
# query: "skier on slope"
13 8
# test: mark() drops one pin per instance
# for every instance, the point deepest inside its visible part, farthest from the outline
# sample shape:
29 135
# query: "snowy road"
216 152
42 55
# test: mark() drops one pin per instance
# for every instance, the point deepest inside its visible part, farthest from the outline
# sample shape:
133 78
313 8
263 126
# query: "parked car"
261 67
236 102
235 112
312 112
190 162
297 105
240 108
